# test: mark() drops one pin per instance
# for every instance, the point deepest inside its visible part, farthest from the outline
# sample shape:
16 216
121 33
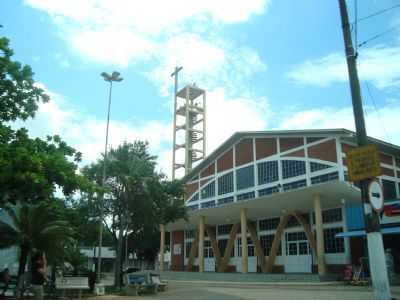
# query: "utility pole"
175 75
376 254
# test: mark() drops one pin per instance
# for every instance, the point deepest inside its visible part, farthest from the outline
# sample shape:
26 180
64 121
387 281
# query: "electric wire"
378 13
377 36
377 111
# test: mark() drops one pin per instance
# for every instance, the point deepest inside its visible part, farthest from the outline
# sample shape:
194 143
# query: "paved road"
244 292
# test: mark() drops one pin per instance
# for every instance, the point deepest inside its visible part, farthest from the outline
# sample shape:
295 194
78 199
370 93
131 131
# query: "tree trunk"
22 260
21 270
118 260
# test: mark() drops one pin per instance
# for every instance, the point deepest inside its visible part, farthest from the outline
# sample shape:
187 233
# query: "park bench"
72 284
12 285
161 284
138 282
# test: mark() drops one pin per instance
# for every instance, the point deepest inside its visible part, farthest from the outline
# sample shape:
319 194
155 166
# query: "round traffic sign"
375 195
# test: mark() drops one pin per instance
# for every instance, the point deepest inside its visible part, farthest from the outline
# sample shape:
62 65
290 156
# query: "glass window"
318 166
268 191
245 177
389 190
192 207
267 172
266 244
269 224
332 215
189 234
208 204
208 191
225 200
325 178
224 229
293 168
250 247
246 196
222 244
303 248
194 198
295 185
332 243
208 252
225 184
188 246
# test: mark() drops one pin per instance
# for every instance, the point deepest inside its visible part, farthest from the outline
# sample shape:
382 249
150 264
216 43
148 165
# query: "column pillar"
201 243
320 235
243 223
162 246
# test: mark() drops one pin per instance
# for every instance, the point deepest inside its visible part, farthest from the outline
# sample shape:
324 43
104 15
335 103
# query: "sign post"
363 163
375 195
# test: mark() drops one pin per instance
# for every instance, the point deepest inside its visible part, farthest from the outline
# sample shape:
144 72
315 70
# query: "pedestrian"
39 268
5 278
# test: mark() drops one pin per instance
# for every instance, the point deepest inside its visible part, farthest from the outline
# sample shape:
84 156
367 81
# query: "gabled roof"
347 135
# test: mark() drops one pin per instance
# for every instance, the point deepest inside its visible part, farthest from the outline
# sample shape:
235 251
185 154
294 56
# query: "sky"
265 65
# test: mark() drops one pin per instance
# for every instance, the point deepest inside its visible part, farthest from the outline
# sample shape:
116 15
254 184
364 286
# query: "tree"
34 227
19 96
136 196
32 169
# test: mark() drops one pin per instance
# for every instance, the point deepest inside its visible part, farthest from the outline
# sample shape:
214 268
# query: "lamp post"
115 76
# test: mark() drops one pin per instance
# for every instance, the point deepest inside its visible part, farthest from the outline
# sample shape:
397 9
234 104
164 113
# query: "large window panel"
225 184
293 168
208 191
245 177
332 243
267 172
389 190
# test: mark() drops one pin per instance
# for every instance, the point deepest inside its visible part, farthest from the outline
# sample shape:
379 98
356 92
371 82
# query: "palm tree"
33 227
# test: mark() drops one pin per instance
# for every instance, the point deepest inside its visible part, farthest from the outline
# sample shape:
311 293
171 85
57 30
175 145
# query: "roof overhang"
333 194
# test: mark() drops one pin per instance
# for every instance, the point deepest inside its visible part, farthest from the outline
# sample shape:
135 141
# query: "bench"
72 284
138 282
161 284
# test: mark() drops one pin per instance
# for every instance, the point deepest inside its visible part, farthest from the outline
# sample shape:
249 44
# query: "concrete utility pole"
175 75
376 254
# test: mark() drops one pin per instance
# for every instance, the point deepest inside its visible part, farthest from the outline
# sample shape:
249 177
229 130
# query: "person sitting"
39 268
5 277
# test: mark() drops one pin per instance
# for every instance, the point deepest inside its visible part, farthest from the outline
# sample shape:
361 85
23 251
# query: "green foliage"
19 96
83 216
32 169
34 227
137 199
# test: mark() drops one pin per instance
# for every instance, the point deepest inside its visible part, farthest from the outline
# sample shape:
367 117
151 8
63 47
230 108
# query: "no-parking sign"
375 195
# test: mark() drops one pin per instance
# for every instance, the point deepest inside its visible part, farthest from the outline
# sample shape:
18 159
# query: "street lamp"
115 76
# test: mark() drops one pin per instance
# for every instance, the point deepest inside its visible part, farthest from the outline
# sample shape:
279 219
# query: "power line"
377 111
378 12
377 36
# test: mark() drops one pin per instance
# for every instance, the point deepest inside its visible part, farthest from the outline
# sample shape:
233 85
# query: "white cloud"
151 16
160 35
379 64
225 116
381 124
86 133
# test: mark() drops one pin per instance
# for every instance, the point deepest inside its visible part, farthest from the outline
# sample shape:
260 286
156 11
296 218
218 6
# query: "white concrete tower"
189 126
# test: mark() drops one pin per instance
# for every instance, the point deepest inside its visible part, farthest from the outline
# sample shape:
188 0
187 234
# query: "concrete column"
243 223
162 246
201 243
320 235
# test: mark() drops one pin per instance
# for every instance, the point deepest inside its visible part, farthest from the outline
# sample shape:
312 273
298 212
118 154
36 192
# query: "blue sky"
265 64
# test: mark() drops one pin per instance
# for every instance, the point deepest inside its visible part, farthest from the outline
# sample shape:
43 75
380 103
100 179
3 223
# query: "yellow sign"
363 163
